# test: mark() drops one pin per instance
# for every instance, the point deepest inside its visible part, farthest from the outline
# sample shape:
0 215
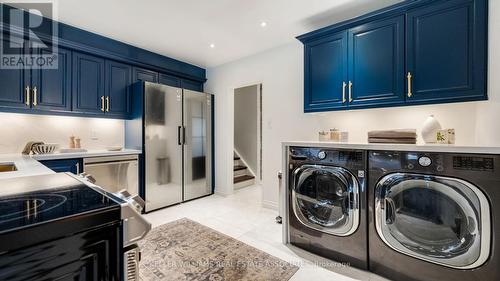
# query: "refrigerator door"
197 140
163 145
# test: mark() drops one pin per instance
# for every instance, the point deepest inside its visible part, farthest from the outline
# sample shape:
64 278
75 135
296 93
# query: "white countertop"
26 166
90 153
29 165
399 147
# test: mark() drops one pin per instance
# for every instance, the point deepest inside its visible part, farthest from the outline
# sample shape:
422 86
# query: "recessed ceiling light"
263 24
212 45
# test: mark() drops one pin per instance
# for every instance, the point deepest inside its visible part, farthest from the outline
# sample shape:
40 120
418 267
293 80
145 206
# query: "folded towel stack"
405 136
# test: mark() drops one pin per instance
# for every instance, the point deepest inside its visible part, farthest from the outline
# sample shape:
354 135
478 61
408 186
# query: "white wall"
245 124
280 71
17 129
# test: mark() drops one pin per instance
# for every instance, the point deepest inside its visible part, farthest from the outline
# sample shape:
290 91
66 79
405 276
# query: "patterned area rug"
187 250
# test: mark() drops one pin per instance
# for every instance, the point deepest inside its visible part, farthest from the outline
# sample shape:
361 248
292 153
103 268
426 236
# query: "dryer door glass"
436 219
326 199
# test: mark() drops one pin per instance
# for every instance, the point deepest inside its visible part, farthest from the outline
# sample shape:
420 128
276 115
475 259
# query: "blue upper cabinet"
14 93
414 52
51 88
376 63
118 89
326 73
192 85
169 80
446 52
88 84
145 75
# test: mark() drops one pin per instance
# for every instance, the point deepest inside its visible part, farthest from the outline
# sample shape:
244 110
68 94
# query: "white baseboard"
270 205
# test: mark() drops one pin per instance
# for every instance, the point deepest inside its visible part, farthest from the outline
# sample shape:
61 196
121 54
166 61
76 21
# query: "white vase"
429 129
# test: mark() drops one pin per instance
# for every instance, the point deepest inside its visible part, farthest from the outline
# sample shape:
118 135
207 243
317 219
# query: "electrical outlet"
93 135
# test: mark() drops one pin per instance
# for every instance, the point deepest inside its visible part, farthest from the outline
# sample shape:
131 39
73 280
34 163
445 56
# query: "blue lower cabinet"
88 84
192 85
118 89
51 88
14 82
145 75
376 63
169 80
325 70
446 47
74 166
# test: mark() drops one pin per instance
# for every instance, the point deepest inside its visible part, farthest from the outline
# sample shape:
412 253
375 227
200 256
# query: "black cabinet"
89 255
74 166
88 84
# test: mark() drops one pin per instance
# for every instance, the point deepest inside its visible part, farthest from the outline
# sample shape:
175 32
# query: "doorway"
247 167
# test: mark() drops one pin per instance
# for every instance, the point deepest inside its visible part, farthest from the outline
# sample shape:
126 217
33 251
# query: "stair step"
243 178
236 158
239 168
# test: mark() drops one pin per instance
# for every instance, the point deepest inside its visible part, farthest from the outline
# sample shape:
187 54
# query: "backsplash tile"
95 133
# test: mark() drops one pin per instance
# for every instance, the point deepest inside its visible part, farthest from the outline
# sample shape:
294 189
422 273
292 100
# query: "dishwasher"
114 173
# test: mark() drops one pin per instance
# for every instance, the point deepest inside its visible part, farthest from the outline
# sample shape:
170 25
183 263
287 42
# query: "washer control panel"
322 155
424 161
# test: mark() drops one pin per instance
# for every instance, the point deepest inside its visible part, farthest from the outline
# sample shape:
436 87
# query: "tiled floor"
242 216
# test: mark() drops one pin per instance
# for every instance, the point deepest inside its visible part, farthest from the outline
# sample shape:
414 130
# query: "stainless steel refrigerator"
173 127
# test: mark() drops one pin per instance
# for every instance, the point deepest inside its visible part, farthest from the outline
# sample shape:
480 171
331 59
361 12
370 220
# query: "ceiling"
185 29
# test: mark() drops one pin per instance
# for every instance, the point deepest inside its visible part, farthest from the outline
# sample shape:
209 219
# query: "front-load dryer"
434 216
326 211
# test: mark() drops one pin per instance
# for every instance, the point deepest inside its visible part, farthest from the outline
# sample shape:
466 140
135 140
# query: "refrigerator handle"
183 135
179 135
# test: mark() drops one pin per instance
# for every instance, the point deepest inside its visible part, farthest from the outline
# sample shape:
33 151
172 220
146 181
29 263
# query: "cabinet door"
376 63
14 81
192 85
325 73
446 52
145 75
88 84
53 86
169 80
90 255
64 165
118 88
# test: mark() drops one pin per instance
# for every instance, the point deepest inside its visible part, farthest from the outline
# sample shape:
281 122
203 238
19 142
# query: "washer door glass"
326 199
436 219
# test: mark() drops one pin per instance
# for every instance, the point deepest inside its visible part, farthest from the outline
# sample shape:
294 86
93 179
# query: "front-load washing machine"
326 212
434 216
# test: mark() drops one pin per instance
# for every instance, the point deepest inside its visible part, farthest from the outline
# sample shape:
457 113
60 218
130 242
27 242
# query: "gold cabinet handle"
409 85
35 93
107 104
350 91
343 91
102 103
27 100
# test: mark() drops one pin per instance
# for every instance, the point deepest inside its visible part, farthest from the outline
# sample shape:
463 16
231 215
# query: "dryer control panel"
354 159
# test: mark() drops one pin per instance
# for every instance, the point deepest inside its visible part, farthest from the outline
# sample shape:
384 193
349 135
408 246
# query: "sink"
7 167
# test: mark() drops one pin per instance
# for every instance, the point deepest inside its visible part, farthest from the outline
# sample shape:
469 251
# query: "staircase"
242 175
